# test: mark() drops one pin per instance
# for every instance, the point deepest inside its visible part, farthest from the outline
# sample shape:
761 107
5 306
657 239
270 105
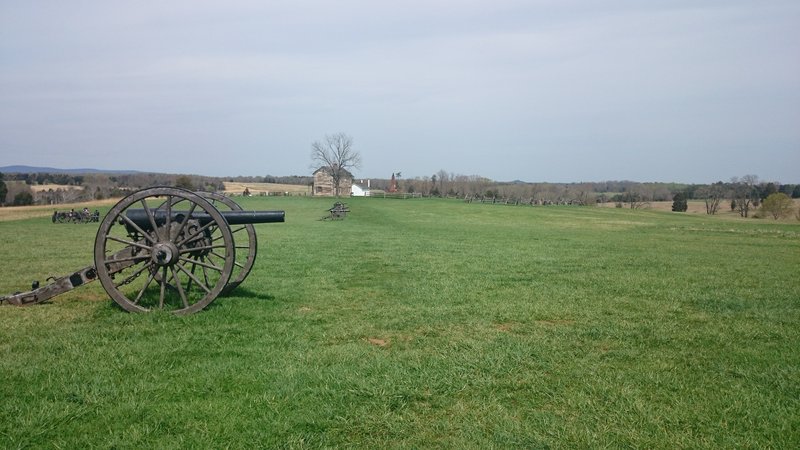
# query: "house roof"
327 169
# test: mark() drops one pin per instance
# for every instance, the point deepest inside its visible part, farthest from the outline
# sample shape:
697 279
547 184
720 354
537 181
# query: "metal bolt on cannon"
166 248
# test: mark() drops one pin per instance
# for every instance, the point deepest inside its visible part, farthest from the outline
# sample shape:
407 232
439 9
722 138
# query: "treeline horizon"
18 189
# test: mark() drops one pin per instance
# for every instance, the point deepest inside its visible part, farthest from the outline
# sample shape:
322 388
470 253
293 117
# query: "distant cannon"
75 216
166 248
338 211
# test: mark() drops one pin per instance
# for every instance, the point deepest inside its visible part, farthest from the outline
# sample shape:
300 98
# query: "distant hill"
32 169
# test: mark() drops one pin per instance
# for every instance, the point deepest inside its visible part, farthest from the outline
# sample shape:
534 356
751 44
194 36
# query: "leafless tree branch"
336 155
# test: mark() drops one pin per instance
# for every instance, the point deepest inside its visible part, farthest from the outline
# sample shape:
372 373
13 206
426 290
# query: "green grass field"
424 323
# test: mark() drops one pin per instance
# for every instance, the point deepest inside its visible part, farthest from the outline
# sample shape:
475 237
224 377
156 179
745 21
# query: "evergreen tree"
679 203
184 182
23 198
3 190
767 190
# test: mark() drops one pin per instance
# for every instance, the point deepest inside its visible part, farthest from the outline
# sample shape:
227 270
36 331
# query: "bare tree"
712 195
744 193
336 155
636 197
582 194
444 180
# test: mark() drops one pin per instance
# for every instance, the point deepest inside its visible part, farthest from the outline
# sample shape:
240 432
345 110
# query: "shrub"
23 198
777 205
679 203
184 182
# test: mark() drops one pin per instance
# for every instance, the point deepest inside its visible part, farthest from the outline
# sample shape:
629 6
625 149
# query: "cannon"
166 248
338 211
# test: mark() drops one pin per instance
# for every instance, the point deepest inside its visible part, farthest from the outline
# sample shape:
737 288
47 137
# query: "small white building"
359 191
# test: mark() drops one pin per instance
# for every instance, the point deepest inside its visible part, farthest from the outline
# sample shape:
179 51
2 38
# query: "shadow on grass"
237 294
248 293
111 308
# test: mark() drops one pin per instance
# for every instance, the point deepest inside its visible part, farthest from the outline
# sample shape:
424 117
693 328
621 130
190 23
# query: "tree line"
20 189
743 194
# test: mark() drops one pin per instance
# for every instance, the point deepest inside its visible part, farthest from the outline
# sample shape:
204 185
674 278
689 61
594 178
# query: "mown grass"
424 323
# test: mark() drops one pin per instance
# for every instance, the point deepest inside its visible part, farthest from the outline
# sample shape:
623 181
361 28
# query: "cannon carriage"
166 248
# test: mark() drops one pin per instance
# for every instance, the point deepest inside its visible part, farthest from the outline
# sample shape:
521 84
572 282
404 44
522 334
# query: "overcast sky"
535 90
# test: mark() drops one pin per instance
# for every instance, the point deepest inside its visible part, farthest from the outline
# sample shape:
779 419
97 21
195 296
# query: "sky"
691 91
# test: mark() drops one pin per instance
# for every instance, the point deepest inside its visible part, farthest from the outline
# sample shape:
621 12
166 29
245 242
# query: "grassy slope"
425 322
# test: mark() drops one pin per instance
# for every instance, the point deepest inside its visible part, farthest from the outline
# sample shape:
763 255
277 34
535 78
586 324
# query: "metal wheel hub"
165 254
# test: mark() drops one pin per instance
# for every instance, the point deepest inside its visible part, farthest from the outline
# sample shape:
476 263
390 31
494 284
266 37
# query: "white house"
359 191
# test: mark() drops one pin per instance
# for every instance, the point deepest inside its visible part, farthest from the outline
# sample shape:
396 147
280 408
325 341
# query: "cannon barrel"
141 219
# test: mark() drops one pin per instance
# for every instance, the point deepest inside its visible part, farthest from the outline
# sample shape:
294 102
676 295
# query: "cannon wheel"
244 238
178 264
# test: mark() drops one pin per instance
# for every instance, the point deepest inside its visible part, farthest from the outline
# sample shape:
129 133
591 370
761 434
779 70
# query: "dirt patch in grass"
378 342
505 327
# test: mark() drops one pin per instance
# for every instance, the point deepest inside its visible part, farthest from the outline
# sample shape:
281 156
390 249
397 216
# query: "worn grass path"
424 323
